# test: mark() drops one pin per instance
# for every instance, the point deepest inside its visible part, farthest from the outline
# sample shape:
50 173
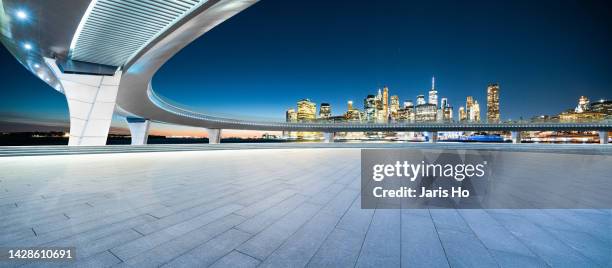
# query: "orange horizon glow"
169 130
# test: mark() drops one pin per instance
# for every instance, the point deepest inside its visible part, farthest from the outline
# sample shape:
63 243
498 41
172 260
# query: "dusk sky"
544 54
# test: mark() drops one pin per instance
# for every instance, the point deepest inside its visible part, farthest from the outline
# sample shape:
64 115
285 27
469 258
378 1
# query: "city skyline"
385 108
529 48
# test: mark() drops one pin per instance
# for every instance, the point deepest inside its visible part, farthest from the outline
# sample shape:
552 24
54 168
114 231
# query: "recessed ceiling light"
27 46
36 65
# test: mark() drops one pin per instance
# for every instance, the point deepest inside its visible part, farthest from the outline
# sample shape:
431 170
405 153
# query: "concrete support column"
328 137
603 137
516 136
91 102
433 136
139 130
214 135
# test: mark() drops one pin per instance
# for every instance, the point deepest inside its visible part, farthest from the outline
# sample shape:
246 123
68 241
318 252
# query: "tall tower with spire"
433 93
385 102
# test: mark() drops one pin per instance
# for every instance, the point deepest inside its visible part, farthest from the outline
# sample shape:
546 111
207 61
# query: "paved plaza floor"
284 207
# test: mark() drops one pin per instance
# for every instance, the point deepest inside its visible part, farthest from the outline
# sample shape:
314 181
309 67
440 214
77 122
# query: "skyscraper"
420 100
602 106
325 111
352 114
380 112
406 113
462 114
369 107
448 114
493 103
290 117
378 100
385 103
583 104
475 112
408 103
433 93
468 105
394 106
425 112
306 111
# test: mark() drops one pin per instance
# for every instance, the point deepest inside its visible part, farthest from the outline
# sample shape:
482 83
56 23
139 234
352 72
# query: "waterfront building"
462 114
380 114
447 114
583 117
602 106
493 103
583 113
469 101
583 104
385 103
306 111
369 108
325 111
475 112
443 103
420 100
408 103
425 112
352 114
378 100
290 117
394 106
433 93
406 114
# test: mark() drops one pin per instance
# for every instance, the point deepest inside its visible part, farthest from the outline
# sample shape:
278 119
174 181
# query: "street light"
22 15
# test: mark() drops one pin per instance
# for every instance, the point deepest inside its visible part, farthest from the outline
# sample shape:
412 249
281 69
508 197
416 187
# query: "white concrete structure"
329 137
516 136
91 102
603 137
139 130
214 135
